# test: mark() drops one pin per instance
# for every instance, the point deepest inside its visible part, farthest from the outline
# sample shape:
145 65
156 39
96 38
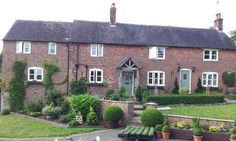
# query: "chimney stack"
113 15
218 22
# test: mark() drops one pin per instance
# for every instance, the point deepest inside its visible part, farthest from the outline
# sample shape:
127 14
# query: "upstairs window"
95 76
210 55
52 48
96 50
157 53
23 47
210 79
156 78
35 74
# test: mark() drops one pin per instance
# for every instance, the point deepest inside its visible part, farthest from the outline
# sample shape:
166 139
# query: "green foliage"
65 106
17 86
233 130
199 86
54 97
6 112
195 122
66 118
51 111
73 123
151 117
50 69
142 93
176 86
169 99
78 87
109 93
197 131
123 93
112 113
183 91
166 129
233 36
82 103
228 78
92 118
233 136
35 114
115 97
158 127
34 106
231 96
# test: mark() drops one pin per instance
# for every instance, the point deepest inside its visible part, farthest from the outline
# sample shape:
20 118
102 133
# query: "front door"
185 79
126 82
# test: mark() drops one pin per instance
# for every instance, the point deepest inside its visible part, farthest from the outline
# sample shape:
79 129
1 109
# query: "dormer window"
23 47
210 55
96 50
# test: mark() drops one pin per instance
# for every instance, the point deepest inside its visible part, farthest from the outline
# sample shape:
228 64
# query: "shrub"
233 136
158 127
228 78
35 114
176 86
195 122
166 129
51 111
233 130
139 92
65 106
78 87
231 96
151 117
199 86
197 132
123 93
6 112
54 97
115 97
169 99
112 113
109 93
73 123
92 118
183 91
34 107
82 103
66 118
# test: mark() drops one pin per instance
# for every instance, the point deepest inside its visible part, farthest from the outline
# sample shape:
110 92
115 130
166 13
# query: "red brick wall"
39 54
187 57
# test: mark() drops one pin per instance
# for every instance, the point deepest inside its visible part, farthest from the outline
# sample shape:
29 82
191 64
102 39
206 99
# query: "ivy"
17 86
50 68
228 78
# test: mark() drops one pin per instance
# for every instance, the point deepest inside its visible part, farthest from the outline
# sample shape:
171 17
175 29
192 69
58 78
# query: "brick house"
119 54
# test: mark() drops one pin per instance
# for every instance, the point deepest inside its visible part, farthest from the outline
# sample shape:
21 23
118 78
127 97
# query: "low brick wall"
215 122
127 107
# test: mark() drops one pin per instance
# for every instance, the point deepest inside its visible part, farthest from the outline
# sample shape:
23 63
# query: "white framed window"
95 76
156 78
157 53
210 79
52 48
35 74
210 55
23 47
96 50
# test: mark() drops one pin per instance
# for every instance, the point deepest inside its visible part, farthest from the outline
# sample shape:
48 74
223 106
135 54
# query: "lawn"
13 126
210 111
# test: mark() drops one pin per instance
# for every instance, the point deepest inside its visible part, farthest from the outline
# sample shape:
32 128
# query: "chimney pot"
218 23
113 15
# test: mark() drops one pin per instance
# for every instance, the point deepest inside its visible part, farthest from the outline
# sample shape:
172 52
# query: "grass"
209 111
13 126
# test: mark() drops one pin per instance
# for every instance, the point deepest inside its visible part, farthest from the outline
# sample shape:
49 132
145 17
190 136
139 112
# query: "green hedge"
166 99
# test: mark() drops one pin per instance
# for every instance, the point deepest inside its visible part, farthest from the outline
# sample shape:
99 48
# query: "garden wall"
209 121
5 101
126 106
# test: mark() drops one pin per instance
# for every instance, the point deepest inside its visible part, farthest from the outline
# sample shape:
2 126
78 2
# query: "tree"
176 87
233 36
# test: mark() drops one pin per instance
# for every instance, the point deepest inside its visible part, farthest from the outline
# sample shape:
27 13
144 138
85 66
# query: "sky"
181 13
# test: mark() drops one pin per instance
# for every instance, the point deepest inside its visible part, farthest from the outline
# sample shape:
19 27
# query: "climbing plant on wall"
50 68
17 86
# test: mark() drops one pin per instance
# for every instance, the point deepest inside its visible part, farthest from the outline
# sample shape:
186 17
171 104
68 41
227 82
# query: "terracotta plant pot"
165 136
111 124
232 139
197 138
158 134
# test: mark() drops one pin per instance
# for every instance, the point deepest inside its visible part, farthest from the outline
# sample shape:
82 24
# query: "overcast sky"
183 13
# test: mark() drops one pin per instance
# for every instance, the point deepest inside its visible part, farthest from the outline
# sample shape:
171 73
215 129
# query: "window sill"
210 60
158 87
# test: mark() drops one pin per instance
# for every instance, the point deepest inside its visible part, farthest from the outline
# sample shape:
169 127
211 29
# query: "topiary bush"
176 86
151 117
6 112
82 103
34 106
54 97
228 78
184 91
92 118
200 88
112 113
78 87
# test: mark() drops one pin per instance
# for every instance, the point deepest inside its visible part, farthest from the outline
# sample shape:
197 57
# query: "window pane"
100 50
150 78
161 75
150 75
39 77
94 50
99 79
204 82
150 81
214 82
31 77
156 75
160 52
214 55
161 82
204 76
92 76
31 71
206 54
99 73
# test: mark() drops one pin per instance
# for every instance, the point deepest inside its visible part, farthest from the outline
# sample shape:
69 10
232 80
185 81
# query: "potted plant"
158 129
233 137
166 132
111 116
197 134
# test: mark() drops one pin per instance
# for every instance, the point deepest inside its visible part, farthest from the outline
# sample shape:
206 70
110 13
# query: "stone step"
135 120
137 112
138 107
